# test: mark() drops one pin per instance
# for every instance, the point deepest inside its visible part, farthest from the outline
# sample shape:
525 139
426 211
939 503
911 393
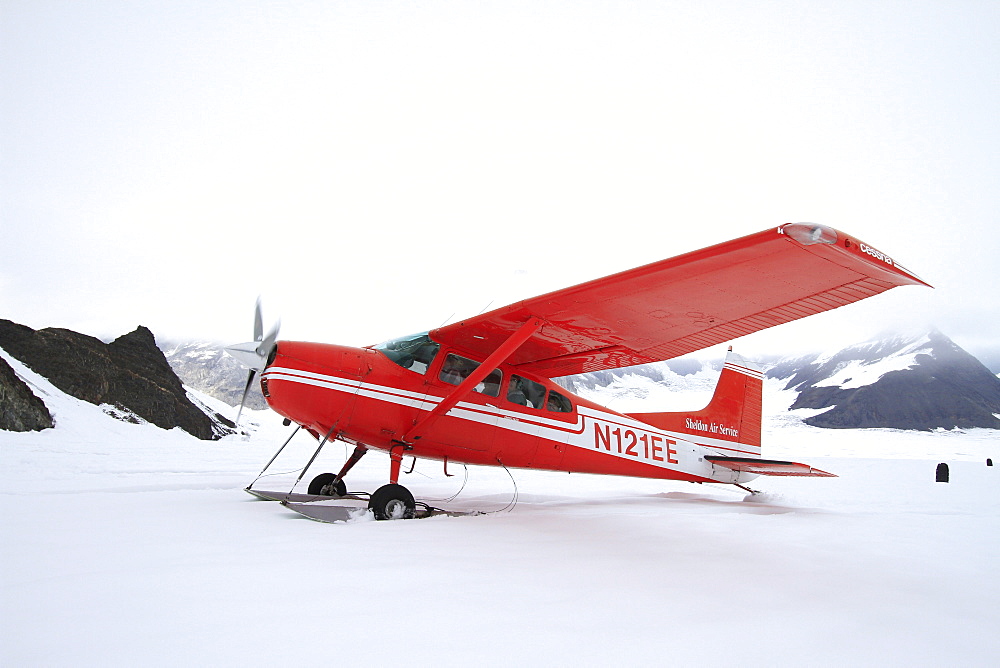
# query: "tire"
323 480
392 502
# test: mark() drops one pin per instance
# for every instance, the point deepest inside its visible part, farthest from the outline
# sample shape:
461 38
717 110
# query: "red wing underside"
767 466
683 304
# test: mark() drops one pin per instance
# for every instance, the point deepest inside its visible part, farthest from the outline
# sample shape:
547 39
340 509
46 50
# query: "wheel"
320 485
392 502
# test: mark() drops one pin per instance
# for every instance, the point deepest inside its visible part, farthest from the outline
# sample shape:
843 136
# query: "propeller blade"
258 323
267 343
246 390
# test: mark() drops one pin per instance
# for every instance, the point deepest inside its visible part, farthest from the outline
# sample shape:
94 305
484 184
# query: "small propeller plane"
481 391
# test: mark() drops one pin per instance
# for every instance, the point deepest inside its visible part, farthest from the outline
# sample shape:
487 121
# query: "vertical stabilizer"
732 420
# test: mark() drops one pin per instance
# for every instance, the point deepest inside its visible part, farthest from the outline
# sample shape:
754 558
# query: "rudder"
733 414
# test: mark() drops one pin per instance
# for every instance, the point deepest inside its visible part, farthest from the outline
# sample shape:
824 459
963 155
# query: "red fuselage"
363 396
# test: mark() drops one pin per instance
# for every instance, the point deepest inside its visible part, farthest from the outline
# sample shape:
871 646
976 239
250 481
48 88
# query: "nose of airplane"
307 381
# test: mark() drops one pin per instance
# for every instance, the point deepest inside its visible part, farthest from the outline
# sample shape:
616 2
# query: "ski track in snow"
126 544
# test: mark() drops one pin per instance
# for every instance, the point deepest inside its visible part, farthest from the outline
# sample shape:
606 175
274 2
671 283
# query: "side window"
457 368
410 352
526 392
558 403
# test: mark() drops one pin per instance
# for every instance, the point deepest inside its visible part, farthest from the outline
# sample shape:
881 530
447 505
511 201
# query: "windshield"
414 352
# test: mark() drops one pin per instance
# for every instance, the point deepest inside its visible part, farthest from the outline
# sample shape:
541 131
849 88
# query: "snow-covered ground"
127 545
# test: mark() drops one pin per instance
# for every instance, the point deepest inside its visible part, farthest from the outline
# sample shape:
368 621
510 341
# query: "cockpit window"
414 352
457 368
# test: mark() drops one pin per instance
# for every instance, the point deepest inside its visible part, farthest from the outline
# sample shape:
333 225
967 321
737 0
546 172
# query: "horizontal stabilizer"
767 466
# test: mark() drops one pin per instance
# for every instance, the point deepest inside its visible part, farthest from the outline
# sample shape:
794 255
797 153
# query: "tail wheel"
321 486
392 502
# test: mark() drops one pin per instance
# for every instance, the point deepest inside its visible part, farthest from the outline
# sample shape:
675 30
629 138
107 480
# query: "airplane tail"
731 423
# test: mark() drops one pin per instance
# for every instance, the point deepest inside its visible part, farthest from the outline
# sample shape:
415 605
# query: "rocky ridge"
130 375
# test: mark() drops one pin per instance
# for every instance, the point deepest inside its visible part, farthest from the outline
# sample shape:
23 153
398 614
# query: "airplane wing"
683 304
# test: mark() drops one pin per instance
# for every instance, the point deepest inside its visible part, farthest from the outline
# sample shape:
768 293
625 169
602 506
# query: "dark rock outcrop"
20 409
130 373
944 387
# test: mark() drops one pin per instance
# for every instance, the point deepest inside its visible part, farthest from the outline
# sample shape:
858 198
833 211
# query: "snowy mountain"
681 384
206 367
919 381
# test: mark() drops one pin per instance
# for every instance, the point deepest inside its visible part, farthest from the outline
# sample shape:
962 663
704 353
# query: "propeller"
254 354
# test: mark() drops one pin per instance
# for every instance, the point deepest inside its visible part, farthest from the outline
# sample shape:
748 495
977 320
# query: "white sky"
374 169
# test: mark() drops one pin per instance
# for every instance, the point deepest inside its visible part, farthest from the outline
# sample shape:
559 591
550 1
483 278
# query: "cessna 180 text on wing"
480 391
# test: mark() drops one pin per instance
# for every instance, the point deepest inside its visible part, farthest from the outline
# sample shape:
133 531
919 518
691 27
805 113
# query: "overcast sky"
379 168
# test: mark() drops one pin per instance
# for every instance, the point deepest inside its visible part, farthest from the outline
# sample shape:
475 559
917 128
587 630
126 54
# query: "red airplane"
481 391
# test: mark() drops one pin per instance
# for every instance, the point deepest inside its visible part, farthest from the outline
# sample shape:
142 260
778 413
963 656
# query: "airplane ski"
297 497
343 512
768 466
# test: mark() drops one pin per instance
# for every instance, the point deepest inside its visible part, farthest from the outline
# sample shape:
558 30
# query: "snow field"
126 545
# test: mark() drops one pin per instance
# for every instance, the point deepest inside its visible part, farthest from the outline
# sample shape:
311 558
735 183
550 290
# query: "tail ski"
729 428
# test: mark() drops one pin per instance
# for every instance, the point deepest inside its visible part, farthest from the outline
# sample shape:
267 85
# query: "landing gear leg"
395 462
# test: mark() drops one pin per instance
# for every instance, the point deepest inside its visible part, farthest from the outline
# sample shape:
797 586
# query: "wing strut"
505 350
